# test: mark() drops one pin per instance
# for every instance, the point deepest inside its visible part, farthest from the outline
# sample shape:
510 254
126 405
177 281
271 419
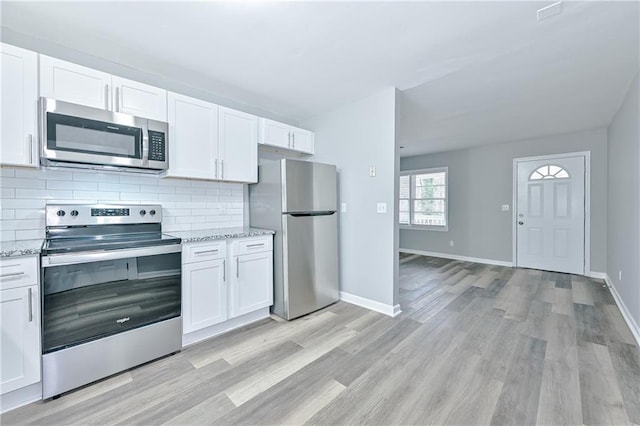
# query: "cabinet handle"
255 245
30 143
222 169
237 267
30 305
13 274
224 271
289 136
106 96
215 174
293 140
117 99
206 251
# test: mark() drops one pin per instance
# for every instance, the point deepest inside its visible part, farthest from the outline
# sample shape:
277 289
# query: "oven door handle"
100 255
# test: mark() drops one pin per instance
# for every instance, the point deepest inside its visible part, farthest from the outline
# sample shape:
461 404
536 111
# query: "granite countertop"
219 234
20 248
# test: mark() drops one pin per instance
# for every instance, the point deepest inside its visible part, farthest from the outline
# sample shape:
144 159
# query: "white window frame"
411 199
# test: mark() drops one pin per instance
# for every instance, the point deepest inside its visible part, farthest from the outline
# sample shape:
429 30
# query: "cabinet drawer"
197 252
18 272
252 245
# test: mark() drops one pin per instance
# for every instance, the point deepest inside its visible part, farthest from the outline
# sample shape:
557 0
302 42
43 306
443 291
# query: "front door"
551 214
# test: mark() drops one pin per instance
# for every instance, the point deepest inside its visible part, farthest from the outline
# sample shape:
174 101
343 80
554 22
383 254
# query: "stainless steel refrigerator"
298 199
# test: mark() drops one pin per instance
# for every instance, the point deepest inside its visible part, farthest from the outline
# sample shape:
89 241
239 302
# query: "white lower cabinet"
251 282
204 297
224 280
20 323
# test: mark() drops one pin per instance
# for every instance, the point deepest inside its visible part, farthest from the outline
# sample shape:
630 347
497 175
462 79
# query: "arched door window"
549 171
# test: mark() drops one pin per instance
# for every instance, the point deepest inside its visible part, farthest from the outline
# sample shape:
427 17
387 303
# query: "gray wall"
481 180
354 137
623 242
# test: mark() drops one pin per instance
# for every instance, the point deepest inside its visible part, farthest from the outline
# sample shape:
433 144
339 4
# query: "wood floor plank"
518 401
625 359
602 402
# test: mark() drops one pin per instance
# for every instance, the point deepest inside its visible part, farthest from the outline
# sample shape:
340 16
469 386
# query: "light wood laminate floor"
476 344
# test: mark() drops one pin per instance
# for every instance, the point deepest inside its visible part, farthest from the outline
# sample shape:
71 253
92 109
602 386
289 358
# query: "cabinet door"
274 133
252 283
139 99
20 343
69 82
18 107
302 140
204 294
193 138
238 141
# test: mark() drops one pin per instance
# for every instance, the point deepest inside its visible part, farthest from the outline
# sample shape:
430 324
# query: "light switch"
382 208
343 208
505 207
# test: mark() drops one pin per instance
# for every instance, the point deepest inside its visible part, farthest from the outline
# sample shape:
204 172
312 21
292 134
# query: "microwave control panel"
157 146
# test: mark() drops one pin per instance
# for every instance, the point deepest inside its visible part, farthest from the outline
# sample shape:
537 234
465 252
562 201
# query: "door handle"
520 223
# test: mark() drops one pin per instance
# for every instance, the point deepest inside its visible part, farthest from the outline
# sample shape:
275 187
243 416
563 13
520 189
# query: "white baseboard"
456 257
633 326
372 305
215 330
19 397
598 275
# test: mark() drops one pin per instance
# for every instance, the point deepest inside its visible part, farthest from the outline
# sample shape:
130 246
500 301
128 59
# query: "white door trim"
587 203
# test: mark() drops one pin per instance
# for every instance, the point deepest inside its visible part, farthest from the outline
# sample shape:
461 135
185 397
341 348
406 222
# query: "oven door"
91 295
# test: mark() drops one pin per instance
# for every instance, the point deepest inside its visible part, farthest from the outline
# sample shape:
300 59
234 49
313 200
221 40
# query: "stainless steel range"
111 292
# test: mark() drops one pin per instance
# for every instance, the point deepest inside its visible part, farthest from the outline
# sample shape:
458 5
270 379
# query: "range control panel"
99 214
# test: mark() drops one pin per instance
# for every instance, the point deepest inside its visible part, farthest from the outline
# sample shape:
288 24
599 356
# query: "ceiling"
470 73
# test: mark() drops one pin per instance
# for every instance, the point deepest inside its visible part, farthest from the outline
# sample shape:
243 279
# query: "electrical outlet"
381 208
451 243
372 171
619 275
343 208
505 207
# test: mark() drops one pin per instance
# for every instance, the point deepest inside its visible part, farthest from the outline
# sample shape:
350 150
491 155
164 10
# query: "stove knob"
74 212
60 213
152 212
143 212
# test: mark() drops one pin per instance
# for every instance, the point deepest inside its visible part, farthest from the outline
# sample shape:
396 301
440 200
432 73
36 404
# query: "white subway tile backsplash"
187 204
23 183
30 234
69 184
46 194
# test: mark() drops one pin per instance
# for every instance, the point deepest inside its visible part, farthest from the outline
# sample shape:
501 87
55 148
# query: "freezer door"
308 187
310 245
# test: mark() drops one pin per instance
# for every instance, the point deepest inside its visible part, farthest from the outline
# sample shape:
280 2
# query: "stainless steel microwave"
77 135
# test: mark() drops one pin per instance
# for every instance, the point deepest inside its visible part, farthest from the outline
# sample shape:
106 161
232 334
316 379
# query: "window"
549 172
423 199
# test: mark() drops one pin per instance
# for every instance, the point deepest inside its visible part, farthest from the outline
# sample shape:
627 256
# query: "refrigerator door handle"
303 214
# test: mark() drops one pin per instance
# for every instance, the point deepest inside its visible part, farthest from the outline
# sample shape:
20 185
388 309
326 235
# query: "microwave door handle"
145 145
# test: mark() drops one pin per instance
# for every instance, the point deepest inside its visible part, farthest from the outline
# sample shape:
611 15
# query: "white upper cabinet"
238 145
279 135
193 138
302 140
18 106
139 99
74 83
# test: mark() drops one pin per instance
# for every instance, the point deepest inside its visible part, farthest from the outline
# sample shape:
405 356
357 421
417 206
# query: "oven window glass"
66 133
88 301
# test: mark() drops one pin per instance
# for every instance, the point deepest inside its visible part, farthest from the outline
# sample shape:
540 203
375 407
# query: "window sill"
425 228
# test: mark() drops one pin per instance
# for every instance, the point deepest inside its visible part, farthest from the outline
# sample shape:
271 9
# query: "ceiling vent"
549 11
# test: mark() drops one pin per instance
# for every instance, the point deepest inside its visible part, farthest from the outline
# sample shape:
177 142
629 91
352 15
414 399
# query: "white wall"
355 137
623 242
481 180
187 204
